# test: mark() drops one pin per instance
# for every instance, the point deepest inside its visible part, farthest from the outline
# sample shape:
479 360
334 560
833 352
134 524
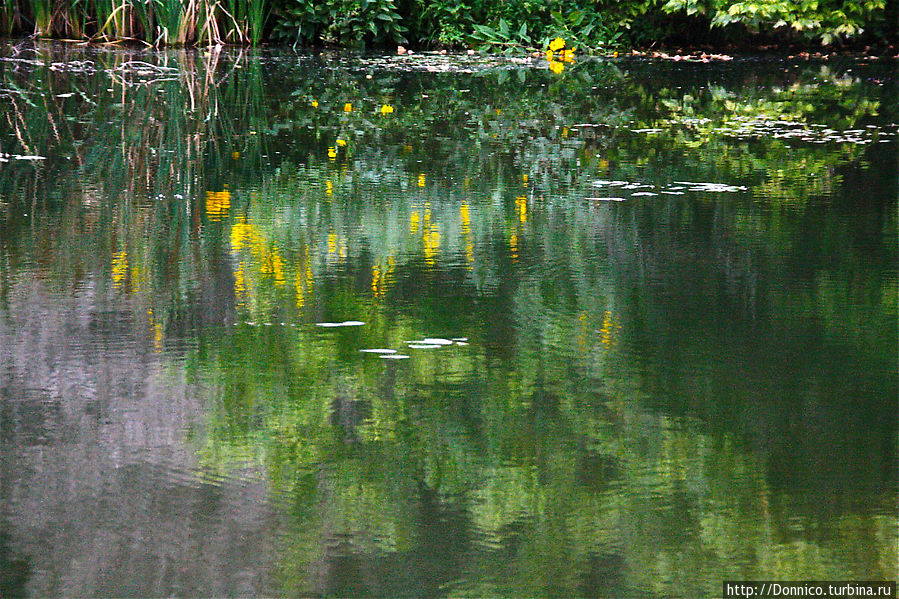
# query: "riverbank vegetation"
515 25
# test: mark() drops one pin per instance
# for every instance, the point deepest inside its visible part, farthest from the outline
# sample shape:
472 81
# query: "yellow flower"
556 67
348 107
332 152
421 180
557 44
386 109
341 142
315 103
549 55
568 55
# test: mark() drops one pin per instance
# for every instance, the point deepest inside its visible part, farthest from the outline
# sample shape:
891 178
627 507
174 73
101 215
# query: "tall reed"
154 22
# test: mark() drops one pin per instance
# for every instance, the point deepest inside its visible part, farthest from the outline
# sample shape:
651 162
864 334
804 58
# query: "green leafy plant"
502 38
344 22
586 30
824 20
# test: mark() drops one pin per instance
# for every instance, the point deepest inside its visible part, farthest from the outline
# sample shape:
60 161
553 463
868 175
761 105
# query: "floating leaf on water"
607 199
674 193
710 186
394 356
460 338
345 323
21 157
378 350
436 341
425 345
461 343
644 193
603 183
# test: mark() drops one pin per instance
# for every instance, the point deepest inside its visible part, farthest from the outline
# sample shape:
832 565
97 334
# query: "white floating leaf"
436 341
352 323
644 193
394 356
21 157
424 345
378 350
460 338
606 199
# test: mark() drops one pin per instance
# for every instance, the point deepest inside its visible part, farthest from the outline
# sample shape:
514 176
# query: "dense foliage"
590 25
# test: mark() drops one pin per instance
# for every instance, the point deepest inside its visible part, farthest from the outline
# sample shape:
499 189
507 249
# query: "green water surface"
638 323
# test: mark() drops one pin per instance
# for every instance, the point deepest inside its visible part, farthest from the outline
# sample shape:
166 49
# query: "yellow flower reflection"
431 239
119 268
556 67
466 233
381 275
217 204
157 331
240 283
609 326
421 180
266 257
348 107
332 152
332 242
304 280
521 202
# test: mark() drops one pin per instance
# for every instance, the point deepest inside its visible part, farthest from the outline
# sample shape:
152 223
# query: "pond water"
328 325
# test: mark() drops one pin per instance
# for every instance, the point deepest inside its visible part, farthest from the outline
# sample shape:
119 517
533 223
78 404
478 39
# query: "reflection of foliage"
604 428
